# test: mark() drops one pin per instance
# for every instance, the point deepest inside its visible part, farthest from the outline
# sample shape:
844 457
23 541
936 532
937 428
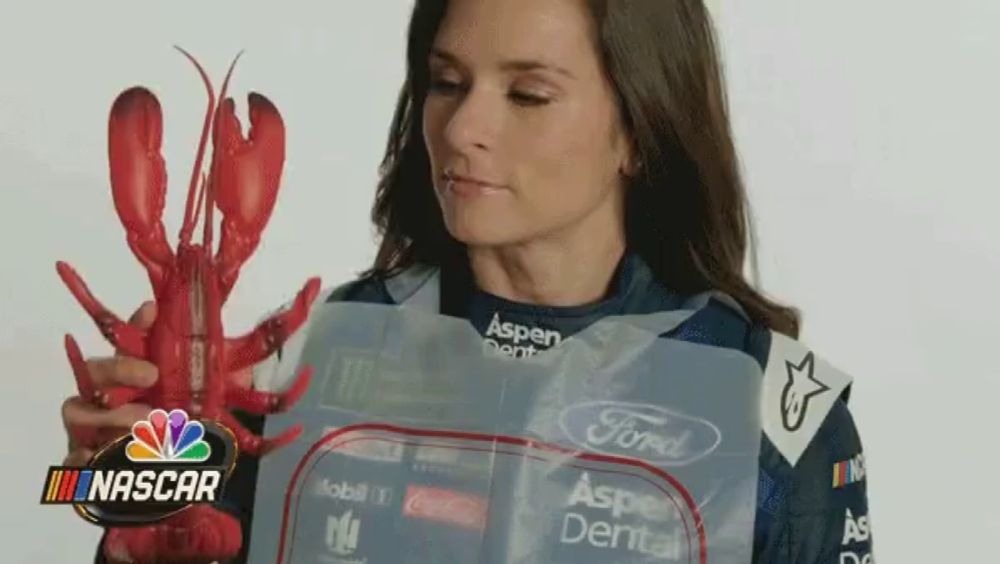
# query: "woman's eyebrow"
528 65
508 65
446 56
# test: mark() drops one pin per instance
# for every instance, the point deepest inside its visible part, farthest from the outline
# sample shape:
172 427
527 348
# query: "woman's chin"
481 238
485 233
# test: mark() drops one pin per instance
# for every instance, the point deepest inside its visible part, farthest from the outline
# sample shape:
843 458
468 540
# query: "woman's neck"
558 270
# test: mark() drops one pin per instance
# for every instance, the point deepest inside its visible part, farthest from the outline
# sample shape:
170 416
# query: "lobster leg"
254 445
130 340
109 398
261 403
270 334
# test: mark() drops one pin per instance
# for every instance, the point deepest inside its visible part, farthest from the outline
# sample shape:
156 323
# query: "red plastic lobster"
196 361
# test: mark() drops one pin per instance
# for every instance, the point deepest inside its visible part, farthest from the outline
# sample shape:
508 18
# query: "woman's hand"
88 427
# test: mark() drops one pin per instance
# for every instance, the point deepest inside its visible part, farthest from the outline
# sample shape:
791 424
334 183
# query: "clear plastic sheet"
422 445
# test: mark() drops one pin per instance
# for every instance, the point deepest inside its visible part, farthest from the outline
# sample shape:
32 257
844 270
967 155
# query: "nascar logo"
849 471
72 485
166 463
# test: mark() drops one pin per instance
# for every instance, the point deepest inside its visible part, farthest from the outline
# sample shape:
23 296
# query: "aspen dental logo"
517 340
622 521
165 464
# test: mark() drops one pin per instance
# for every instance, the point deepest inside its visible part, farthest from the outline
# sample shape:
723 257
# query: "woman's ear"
632 163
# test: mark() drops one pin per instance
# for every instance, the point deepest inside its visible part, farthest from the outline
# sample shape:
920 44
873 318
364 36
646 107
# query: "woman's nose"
474 122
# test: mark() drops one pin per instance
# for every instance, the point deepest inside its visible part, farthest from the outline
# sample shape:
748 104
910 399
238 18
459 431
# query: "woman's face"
519 101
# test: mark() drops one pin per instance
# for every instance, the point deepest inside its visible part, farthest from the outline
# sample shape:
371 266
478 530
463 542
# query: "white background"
868 137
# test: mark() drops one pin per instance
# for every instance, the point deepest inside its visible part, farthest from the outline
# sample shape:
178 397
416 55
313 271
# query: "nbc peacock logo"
168 437
166 463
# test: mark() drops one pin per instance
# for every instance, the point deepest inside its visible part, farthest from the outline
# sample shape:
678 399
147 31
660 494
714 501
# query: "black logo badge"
146 476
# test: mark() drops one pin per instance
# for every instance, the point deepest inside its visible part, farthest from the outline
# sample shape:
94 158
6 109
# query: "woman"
564 161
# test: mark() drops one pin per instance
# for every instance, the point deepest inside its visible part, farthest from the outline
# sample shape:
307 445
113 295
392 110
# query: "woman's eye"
525 99
444 86
447 87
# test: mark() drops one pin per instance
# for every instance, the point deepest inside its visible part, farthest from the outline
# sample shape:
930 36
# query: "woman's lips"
468 186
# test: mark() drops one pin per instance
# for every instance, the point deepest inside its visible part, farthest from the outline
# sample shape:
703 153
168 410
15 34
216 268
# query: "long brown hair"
687 213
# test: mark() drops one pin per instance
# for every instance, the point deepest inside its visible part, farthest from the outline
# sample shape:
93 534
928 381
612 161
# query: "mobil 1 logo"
351 492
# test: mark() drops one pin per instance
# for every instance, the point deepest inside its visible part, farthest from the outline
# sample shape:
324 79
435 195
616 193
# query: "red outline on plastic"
504 439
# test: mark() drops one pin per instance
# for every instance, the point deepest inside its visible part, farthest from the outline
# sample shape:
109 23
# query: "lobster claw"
245 180
139 177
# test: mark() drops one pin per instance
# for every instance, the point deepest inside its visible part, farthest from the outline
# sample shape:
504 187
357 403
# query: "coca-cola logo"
648 432
452 507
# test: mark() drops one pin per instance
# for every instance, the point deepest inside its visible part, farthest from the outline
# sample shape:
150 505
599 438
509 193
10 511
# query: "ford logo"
651 433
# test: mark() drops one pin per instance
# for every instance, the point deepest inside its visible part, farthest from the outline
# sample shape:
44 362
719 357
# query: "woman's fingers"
111 371
81 436
91 426
78 457
111 424
76 411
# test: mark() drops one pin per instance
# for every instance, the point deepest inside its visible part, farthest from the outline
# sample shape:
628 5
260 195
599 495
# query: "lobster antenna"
201 196
189 221
210 199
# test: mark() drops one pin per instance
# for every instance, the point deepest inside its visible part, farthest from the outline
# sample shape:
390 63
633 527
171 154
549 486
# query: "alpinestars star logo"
802 386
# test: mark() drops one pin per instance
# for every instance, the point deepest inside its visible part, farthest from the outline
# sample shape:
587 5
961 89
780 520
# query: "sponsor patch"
849 471
799 390
450 461
342 539
366 448
517 339
648 432
857 531
353 492
451 507
622 521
